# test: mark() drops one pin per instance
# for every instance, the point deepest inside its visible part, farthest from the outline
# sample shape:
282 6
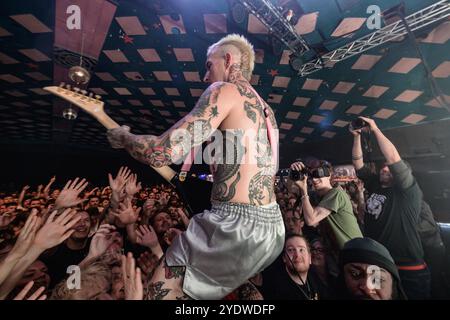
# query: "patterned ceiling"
147 62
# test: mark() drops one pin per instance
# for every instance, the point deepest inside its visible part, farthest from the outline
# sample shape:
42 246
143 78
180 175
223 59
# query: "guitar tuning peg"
76 89
62 84
83 92
90 94
68 86
98 97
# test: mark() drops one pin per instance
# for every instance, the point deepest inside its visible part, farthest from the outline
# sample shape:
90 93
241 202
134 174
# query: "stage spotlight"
295 61
394 14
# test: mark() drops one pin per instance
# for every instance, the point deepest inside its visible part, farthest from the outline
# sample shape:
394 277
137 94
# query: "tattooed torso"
244 168
244 173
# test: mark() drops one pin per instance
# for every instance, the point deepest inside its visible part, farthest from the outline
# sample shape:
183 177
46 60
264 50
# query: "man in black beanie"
368 272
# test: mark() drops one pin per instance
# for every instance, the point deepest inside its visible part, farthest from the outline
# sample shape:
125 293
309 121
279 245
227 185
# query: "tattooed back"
244 168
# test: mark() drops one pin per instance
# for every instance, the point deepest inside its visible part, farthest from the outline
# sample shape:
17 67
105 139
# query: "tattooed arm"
171 147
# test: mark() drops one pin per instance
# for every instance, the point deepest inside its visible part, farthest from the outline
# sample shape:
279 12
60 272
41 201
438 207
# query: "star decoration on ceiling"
273 72
127 39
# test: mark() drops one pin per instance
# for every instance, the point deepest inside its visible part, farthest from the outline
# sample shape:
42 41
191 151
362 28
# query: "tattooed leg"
248 291
166 283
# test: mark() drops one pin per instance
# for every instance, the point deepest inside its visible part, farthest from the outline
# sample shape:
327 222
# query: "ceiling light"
70 113
79 75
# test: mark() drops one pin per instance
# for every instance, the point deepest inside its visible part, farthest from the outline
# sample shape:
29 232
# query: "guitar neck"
106 121
90 104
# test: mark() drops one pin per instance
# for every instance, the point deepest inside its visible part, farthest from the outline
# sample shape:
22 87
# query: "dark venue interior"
310 68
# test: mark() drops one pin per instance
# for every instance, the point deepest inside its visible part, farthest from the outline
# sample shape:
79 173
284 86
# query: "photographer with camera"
334 212
392 210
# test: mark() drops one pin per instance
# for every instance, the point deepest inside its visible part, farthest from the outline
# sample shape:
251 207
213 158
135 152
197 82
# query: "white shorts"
225 246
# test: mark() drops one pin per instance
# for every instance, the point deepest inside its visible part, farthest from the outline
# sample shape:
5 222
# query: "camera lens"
358 124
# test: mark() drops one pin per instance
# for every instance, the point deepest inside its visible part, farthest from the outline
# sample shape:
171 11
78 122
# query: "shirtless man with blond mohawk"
243 233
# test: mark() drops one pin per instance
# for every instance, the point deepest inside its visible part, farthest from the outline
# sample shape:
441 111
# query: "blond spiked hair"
245 48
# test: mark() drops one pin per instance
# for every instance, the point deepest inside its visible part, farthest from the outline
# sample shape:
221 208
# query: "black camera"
298 175
358 123
293 174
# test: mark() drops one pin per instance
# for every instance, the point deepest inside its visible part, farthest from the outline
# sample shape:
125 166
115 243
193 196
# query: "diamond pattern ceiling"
147 60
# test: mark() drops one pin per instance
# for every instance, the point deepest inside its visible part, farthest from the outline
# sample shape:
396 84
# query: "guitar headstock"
87 101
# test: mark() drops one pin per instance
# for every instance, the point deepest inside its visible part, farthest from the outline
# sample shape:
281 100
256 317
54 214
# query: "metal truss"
273 19
436 12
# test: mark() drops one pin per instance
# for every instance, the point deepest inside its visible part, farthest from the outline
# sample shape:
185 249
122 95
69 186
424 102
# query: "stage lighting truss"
422 18
278 26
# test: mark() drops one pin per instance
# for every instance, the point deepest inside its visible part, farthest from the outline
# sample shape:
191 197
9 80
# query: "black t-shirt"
392 214
278 285
58 261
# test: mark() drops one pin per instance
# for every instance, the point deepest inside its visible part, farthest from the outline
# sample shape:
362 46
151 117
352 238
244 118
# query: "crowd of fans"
67 243
45 231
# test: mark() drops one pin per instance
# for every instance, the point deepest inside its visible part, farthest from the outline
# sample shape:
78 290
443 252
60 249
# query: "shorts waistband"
268 213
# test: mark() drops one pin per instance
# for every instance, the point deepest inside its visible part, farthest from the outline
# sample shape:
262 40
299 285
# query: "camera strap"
305 284
367 145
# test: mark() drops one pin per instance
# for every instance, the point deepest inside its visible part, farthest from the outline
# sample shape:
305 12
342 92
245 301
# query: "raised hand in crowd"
164 199
22 196
22 245
132 186
56 229
132 279
53 232
105 190
48 186
27 234
125 213
148 209
39 191
147 262
117 186
6 219
69 195
147 237
170 235
35 296
360 198
101 241
90 193
118 183
182 217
